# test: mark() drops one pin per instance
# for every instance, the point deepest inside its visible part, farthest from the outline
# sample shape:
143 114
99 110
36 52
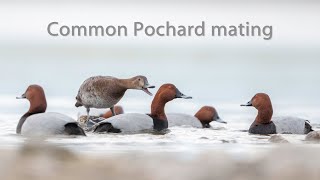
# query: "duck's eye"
139 79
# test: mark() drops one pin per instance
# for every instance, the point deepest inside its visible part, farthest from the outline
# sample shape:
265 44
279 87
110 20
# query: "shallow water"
232 137
222 91
220 72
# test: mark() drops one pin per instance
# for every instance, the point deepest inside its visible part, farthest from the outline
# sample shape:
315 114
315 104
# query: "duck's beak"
248 104
145 89
181 95
220 121
23 96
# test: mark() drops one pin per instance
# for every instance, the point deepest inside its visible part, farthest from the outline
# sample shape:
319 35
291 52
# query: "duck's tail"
307 127
74 129
106 128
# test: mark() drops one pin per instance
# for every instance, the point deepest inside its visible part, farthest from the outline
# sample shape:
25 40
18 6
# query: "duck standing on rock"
105 91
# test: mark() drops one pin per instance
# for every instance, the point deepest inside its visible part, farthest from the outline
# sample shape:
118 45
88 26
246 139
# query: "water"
230 137
220 72
219 80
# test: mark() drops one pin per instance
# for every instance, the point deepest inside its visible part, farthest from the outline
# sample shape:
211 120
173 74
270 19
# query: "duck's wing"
290 125
100 92
95 83
46 124
177 119
127 123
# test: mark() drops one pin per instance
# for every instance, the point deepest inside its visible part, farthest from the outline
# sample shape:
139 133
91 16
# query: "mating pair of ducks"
106 92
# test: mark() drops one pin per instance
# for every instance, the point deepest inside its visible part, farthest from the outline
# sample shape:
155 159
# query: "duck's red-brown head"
206 115
262 103
117 110
35 95
166 93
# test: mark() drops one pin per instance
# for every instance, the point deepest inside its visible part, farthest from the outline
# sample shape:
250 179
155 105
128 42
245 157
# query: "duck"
264 123
38 122
201 119
117 110
156 121
104 92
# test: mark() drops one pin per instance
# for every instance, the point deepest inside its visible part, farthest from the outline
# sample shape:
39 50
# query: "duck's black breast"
263 129
159 124
22 120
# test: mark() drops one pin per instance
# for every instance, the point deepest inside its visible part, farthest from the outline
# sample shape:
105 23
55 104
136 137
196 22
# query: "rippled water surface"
224 88
231 137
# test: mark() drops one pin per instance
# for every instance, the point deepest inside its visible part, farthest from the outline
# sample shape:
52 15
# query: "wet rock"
313 136
277 139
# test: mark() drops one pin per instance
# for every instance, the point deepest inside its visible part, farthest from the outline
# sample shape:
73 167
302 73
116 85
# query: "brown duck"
105 91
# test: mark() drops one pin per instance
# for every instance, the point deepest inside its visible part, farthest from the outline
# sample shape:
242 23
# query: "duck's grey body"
130 123
46 124
291 125
177 119
100 92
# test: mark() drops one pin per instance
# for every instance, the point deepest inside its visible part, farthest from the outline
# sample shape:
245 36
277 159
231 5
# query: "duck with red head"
201 119
136 123
265 124
36 122
117 110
